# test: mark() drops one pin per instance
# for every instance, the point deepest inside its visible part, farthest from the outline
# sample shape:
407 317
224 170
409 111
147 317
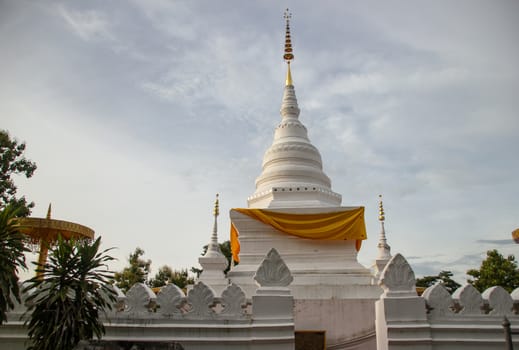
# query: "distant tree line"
138 270
495 270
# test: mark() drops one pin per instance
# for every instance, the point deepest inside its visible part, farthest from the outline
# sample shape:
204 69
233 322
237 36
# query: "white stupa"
292 175
332 290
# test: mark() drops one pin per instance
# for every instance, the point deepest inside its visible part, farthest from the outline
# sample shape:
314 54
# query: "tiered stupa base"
329 285
321 268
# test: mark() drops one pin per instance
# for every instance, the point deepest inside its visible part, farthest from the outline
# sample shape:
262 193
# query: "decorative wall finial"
398 278
273 272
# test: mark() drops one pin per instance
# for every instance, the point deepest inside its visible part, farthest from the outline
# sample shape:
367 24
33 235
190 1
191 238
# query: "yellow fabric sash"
340 225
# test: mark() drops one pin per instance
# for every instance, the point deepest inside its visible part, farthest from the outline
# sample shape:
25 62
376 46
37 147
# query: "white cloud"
185 104
88 24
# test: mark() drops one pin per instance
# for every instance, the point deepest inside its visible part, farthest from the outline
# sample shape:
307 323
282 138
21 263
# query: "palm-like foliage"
12 256
65 304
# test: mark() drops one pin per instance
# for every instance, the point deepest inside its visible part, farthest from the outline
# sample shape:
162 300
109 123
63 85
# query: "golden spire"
381 216
216 210
288 55
288 80
384 250
49 211
213 249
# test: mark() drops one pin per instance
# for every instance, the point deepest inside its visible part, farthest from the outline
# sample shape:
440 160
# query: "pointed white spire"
384 250
289 107
214 262
213 248
292 173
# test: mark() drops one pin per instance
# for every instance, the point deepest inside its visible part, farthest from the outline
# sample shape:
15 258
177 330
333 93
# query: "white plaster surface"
349 323
292 174
437 320
194 321
321 268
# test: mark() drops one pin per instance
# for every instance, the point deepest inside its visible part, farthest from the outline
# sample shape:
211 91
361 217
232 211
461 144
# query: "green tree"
162 277
167 275
64 305
225 247
12 162
444 277
495 270
12 257
136 272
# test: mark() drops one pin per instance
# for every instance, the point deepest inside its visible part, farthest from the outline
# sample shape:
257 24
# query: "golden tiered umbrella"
45 231
515 235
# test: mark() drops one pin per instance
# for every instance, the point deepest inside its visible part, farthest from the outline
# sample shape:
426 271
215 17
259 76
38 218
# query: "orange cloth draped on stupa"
339 225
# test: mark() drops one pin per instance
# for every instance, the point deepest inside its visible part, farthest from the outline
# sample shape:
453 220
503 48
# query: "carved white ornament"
140 299
398 276
439 301
273 272
499 300
233 301
169 299
120 299
201 300
515 298
119 295
468 300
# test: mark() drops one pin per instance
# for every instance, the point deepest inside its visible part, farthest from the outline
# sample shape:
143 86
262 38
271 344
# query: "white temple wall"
349 323
200 320
437 320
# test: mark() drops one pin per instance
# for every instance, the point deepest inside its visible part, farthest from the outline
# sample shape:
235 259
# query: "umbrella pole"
42 258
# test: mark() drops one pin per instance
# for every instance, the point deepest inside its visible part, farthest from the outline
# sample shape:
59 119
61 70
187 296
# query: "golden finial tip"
289 76
288 55
216 210
381 214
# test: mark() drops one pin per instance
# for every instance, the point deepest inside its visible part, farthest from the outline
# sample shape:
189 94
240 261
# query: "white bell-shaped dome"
292 174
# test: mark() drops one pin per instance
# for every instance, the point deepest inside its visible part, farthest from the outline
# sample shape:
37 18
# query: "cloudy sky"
138 112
